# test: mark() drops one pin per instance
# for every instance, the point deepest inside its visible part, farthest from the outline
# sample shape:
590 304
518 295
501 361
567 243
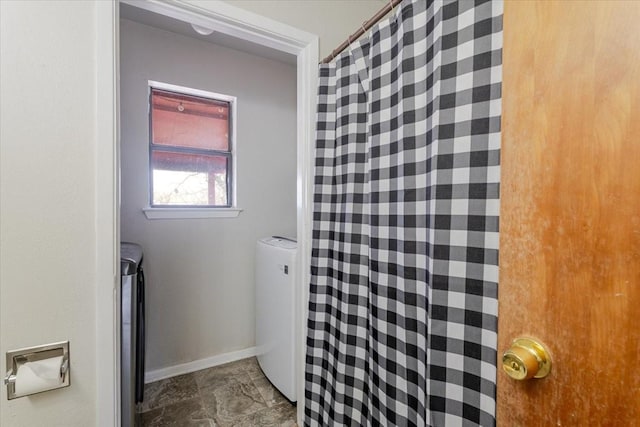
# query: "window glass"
190 150
182 179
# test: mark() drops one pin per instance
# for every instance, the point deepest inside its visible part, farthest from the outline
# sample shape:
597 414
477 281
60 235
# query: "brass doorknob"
526 358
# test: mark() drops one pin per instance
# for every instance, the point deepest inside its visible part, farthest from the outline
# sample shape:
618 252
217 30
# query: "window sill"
191 213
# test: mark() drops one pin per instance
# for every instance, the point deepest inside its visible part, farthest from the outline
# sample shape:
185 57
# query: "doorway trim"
233 21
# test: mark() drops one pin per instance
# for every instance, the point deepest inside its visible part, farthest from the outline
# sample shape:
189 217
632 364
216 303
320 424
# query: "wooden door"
570 210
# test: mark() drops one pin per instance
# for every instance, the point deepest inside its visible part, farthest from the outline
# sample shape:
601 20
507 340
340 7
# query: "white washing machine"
275 312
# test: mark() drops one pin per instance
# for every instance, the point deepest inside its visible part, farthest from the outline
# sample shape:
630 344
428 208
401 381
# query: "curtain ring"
364 30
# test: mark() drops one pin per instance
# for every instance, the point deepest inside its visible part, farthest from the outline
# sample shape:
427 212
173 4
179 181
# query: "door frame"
229 20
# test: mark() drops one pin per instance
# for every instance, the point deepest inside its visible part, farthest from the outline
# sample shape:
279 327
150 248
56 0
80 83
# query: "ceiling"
163 22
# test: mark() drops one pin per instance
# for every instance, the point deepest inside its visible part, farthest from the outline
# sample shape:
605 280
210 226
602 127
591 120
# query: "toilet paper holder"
53 375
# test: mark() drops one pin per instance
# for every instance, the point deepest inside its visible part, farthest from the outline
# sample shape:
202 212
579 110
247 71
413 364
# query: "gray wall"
200 292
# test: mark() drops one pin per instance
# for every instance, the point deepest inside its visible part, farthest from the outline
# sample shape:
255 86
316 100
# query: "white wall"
47 199
332 20
200 272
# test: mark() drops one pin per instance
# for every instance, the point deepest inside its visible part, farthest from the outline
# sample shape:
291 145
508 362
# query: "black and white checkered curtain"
403 298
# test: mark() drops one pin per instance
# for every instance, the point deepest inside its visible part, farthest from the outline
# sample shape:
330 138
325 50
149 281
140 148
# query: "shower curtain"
403 296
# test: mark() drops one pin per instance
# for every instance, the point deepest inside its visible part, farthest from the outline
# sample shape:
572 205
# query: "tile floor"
235 394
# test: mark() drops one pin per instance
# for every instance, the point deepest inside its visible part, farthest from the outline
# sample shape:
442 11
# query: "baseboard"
196 365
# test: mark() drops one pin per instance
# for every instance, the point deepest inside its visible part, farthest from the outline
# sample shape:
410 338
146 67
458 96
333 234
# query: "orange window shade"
189 121
189 162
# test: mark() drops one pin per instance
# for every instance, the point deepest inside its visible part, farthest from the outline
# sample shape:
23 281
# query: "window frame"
156 211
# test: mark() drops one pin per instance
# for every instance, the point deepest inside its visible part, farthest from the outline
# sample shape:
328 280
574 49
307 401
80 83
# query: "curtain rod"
365 26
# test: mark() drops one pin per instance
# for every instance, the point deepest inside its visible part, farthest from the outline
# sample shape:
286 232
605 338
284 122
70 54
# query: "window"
190 149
